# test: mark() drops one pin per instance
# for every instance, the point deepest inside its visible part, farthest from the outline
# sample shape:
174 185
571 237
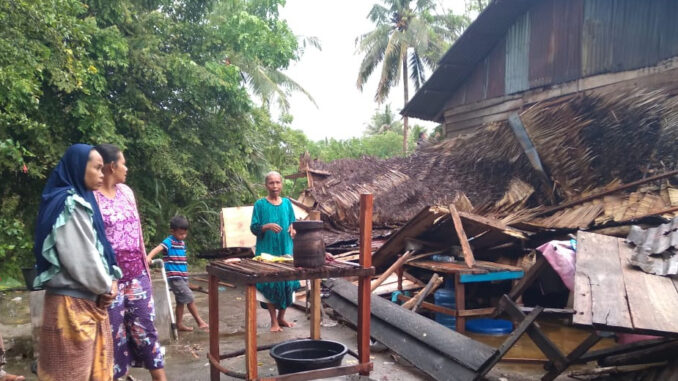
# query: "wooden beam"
460 300
398 264
207 281
213 319
510 341
364 291
448 311
582 348
304 173
315 309
251 332
416 301
620 349
465 247
540 339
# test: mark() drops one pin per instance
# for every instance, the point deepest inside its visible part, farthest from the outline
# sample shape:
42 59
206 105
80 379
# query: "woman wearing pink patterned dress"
132 313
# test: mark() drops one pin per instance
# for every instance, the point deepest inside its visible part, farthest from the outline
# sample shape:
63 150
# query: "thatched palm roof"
585 142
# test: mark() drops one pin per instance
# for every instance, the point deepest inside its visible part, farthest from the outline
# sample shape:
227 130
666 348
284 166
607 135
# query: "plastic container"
495 327
302 355
442 258
444 297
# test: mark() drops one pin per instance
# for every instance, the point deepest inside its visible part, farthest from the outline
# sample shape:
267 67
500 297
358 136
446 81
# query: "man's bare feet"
184 328
204 326
275 327
285 323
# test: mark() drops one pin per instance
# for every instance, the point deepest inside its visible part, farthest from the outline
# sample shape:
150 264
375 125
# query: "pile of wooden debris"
473 210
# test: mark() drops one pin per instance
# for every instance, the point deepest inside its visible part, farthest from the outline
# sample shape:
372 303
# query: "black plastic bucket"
302 355
29 274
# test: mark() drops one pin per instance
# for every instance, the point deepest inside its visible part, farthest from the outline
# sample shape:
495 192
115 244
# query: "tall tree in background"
150 77
409 37
383 121
261 45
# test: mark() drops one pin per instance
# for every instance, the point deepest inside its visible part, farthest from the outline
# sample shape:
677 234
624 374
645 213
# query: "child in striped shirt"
176 270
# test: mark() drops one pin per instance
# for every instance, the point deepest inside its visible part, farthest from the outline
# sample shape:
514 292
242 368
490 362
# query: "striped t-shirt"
175 258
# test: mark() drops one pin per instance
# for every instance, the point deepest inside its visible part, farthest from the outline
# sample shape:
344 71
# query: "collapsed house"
560 116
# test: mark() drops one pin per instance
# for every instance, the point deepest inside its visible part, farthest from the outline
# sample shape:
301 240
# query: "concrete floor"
186 358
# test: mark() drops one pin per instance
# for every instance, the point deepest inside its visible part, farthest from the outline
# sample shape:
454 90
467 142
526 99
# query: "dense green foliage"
151 77
383 121
183 86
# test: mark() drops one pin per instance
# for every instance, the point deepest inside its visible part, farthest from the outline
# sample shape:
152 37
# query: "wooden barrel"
309 248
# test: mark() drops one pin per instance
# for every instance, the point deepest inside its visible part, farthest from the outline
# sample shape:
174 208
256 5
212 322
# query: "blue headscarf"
68 175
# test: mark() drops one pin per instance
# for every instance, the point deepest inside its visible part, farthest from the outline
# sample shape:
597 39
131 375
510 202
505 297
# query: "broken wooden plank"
414 303
481 267
398 264
448 311
413 228
391 284
600 295
463 240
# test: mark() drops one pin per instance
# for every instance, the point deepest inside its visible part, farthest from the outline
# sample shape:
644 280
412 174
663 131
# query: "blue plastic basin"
489 326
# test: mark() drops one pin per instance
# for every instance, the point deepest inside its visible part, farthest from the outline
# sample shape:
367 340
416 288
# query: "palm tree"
383 121
409 37
265 80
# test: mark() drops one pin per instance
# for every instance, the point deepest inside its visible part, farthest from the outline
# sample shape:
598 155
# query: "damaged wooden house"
560 119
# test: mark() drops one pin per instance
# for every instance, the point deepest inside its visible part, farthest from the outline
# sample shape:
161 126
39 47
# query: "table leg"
315 309
400 278
460 299
213 298
364 283
251 332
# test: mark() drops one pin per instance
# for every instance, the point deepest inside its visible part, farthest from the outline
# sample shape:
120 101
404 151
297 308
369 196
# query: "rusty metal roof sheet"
518 55
553 42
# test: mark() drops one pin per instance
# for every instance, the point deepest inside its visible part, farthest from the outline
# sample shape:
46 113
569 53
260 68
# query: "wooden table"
249 272
481 272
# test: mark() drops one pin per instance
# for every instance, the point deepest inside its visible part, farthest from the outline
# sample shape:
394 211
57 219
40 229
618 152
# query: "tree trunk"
405 119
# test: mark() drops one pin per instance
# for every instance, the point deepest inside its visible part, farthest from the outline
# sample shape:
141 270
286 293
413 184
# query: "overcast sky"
330 75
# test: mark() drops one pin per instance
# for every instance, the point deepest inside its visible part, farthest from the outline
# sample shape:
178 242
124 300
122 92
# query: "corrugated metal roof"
555 40
518 55
655 248
461 59
627 34
569 39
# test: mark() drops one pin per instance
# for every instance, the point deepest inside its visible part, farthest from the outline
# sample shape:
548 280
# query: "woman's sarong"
75 341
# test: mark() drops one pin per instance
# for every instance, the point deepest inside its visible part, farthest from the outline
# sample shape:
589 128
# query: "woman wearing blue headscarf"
76 265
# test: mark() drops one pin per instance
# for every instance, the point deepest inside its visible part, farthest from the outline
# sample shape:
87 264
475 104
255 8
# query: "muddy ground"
186 358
